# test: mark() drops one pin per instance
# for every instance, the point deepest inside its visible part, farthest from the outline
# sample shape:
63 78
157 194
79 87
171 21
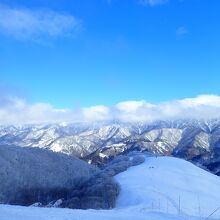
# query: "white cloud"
182 31
210 100
153 2
15 110
23 23
133 106
96 113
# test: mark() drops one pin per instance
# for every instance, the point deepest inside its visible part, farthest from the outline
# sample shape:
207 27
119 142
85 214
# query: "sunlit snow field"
160 188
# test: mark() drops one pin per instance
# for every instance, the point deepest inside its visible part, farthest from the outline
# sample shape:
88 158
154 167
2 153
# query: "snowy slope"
161 188
28 175
22 213
169 185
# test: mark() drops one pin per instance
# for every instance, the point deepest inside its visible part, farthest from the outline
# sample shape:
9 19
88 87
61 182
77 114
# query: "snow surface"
161 188
32 213
169 185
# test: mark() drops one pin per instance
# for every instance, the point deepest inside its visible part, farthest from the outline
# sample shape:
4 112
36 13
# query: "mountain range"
197 141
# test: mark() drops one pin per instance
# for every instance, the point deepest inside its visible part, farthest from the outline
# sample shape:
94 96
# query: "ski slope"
162 188
169 185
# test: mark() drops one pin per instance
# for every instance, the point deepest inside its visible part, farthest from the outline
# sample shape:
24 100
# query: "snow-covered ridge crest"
169 185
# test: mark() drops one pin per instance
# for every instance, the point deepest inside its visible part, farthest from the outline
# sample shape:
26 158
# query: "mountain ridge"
97 143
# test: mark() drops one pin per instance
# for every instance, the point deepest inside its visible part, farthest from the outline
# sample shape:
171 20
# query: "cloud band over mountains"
15 110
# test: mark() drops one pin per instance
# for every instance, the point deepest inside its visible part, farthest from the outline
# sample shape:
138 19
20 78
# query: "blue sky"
80 53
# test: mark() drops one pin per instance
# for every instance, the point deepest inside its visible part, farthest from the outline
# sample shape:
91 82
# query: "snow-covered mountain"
161 188
194 140
30 175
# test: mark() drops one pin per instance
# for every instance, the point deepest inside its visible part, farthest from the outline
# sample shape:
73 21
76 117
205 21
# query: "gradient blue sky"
119 50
